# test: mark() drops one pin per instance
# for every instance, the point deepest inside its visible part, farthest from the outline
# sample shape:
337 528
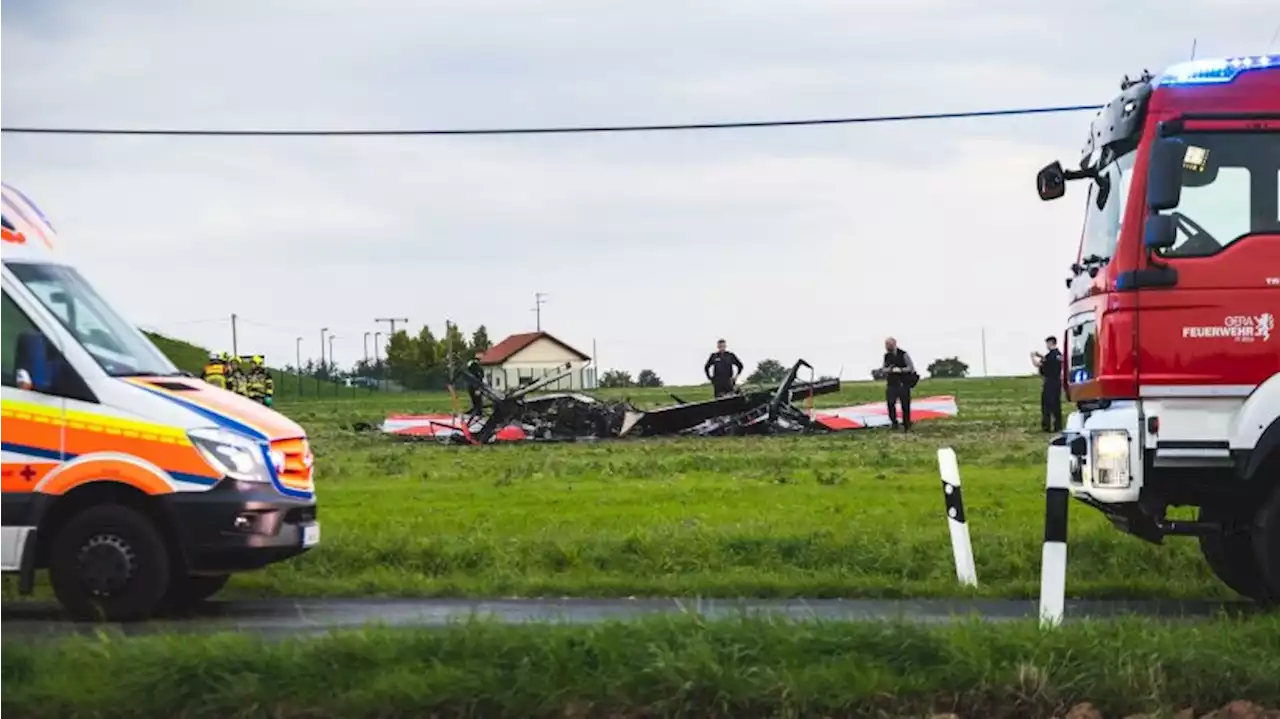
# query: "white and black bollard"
1053 557
961 546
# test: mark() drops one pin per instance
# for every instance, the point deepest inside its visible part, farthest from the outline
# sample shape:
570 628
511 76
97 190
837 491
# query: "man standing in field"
899 373
474 376
1050 366
722 368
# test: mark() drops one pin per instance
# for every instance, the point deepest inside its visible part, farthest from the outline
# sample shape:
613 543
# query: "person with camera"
1050 366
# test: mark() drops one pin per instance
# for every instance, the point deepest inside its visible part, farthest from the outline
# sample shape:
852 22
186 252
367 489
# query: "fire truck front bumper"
1105 464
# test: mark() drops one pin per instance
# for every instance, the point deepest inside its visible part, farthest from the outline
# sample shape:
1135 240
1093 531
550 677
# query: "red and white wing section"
445 426
876 414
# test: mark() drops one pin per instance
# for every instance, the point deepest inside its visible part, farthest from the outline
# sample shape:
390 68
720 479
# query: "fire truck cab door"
1208 329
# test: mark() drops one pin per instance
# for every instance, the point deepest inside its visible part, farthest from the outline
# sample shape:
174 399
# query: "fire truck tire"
1231 557
109 563
1266 543
189 590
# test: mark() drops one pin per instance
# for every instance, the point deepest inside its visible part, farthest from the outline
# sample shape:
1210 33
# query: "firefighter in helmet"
215 371
256 380
237 381
269 388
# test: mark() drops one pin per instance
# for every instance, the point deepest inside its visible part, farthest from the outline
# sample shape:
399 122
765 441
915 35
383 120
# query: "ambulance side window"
24 347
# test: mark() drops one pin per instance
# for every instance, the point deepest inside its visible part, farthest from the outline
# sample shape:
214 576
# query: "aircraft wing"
444 426
876 414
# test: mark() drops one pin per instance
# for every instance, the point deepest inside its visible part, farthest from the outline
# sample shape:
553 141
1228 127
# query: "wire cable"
552 130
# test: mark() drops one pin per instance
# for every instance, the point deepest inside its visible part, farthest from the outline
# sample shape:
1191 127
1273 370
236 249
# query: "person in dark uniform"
475 375
1050 366
899 373
722 368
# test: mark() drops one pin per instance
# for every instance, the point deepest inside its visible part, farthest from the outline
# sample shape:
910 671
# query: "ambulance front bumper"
239 526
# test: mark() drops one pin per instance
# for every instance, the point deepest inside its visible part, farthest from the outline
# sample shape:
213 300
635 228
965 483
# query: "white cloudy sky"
813 242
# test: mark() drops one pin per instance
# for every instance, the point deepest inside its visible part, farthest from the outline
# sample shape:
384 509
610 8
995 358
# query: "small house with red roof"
527 357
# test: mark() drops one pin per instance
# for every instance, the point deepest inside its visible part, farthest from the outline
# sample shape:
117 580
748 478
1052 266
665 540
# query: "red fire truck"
1172 355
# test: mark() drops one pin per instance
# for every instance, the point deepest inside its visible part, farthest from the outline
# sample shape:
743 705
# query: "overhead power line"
552 130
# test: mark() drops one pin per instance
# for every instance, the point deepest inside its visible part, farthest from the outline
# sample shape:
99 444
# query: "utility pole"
377 342
448 357
366 348
335 383
297 349
595 366
984 351
234 349
323 367
392 321
538 299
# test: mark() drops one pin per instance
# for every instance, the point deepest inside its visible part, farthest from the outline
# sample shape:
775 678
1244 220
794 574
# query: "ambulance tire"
119 550
1230 556
189 590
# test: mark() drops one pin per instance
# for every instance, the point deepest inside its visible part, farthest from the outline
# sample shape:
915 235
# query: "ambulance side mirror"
1051 181
1164 174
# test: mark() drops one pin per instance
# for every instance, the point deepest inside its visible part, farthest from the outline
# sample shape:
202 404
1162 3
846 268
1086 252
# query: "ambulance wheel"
109 563
1230 555
189 590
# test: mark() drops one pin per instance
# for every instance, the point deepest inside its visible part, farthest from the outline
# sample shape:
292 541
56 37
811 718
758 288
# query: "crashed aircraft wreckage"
572 416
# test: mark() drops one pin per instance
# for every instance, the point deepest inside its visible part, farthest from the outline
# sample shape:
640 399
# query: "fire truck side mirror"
1164 175
1051 181
1161 232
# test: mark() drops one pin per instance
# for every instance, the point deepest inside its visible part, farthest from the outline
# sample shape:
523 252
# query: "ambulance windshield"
117 346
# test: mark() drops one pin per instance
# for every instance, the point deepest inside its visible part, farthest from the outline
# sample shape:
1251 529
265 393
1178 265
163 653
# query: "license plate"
310 534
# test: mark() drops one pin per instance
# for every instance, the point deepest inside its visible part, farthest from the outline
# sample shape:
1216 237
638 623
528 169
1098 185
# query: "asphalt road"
284 617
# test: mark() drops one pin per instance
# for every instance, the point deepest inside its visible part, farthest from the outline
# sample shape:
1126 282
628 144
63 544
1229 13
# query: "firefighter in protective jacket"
269 398
256 381
215 371
237 381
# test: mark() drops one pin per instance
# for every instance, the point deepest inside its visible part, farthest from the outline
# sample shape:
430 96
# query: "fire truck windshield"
1108 196
1230 190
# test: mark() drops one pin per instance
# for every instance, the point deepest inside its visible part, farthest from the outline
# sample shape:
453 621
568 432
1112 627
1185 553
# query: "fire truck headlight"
1111 459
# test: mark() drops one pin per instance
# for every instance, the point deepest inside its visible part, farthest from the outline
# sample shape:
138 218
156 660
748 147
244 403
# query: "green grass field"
855 514
858 514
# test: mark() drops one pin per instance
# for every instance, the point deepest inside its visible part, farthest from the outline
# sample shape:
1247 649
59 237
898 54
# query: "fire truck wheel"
191 589
1266 543
1231 557
109 563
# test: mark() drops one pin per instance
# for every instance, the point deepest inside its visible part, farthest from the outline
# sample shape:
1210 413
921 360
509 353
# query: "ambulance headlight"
1110 459
235 455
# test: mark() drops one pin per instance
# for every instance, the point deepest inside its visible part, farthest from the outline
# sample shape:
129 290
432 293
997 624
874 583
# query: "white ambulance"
139 487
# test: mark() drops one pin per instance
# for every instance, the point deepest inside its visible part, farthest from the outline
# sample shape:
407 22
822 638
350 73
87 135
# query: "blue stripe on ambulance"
58 456
239 427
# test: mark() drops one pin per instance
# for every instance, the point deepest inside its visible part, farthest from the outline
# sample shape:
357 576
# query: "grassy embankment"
192 358
658 667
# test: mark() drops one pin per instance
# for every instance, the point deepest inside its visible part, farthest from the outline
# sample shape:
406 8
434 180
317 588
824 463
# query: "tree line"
420 361
425 362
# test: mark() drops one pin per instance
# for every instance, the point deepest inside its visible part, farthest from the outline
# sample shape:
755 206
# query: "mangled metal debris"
573 416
